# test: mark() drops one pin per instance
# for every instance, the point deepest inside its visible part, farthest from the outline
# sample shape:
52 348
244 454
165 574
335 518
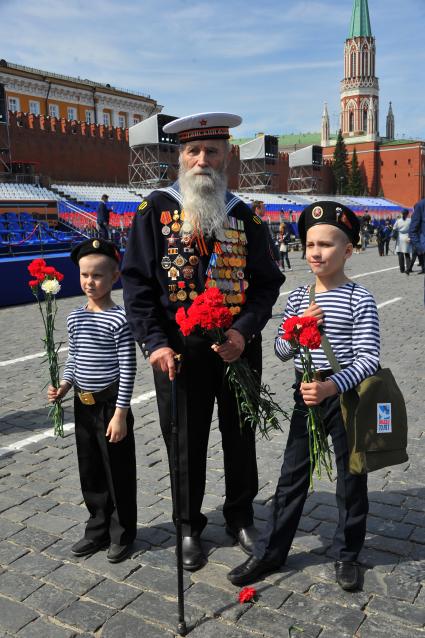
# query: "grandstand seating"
26 192
22 234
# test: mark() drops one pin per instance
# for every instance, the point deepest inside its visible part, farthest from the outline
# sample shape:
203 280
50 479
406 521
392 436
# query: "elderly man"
186 237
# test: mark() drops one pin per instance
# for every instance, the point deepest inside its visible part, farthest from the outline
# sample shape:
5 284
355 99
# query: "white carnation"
51 286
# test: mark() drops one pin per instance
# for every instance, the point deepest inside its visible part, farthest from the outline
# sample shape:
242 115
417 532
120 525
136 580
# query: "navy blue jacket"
102 214
417 227
150 313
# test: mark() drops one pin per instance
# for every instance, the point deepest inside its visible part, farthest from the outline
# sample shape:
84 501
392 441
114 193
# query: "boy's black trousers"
107 473
292 488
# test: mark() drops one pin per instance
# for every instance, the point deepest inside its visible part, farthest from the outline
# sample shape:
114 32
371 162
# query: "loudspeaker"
167 138
3 114
271 146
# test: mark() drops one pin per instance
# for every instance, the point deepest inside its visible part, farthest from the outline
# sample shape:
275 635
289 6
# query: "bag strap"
327 348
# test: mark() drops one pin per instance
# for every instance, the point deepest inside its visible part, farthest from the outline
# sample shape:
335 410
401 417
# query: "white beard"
204 198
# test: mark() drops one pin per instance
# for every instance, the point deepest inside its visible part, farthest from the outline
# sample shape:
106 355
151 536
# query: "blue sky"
273 62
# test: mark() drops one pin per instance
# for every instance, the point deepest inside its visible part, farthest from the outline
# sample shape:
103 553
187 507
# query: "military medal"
166 262
187 227
173 273
165 217
193 260
172 297
188 272
165 230
175 227
193 294
179 261
182 295
176 215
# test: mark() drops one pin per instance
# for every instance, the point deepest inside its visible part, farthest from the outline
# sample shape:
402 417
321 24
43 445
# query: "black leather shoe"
245 536
250 571
85 547
117 553
347 574
193 556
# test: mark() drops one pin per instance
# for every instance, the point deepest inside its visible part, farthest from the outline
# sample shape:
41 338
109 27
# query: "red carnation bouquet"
45 285
254 399
303 333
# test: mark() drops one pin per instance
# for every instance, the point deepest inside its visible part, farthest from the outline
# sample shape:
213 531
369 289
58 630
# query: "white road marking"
373 272
387 303
13 447
28 357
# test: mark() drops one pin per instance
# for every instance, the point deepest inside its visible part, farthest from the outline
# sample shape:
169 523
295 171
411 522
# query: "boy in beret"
101 367
348 314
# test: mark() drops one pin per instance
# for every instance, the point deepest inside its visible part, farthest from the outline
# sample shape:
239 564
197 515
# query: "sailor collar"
174 192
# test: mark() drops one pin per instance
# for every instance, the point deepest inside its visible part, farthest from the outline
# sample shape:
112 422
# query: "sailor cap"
201 126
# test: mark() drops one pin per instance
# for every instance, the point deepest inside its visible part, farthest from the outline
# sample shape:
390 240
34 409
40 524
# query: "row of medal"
226 267
180 267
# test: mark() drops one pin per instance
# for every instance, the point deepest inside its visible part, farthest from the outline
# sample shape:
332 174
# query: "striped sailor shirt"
101 351
351 324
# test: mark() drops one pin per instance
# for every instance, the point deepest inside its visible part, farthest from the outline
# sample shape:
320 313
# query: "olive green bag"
375 418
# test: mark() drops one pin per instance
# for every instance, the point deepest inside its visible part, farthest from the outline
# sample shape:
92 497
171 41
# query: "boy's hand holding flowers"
317 391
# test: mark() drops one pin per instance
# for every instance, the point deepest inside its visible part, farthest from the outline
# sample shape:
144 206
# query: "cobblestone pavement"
46 593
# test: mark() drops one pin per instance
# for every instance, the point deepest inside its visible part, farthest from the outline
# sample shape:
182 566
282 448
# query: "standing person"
284 239
402 241
186 237
349 315
101 367
388 230
365 232
417 232
102 217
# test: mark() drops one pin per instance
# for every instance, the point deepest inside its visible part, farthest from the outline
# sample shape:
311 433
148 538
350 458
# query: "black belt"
90 398
319 375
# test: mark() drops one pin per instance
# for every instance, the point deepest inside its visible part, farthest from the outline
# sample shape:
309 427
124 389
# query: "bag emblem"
384 420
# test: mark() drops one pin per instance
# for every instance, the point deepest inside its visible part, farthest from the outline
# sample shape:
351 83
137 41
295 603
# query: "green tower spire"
360 21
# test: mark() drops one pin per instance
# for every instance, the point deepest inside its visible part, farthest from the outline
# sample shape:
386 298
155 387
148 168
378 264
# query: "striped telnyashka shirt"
101 351
351 324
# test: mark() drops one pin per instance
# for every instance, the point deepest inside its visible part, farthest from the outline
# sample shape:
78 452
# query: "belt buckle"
87 398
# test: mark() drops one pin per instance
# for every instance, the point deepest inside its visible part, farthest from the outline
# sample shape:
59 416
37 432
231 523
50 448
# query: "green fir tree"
340 166
355 184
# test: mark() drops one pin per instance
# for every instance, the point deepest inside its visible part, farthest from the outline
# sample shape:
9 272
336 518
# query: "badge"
173 273
192 286
173 251
165 230
194 260
96 243
229 248
317 212
182 295
141 207
240 274
186 240
166 263
193 294
257 219
212 283
172 297
179 261
176 216
188 272
175 227
225 261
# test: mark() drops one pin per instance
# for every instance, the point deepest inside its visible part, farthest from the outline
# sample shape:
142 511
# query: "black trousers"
200 383
292 488
284 257
103 230
404 261
107 473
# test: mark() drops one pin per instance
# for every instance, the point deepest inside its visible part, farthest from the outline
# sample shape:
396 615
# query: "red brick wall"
70 151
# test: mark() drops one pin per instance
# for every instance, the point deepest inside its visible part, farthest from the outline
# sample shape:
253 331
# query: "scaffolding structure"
5 154
305 170
259 164
153 154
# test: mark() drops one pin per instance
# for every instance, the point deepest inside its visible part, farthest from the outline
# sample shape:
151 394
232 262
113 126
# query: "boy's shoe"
117 553
85 546
347 574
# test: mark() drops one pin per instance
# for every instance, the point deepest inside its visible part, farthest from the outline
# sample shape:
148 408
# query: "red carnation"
49 270
247 594
185 324
33 283
58 275
310 338
36 268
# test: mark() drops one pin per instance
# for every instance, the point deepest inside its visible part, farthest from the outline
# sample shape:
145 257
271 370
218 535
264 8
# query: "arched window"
353 63
365 62
364 127
351 121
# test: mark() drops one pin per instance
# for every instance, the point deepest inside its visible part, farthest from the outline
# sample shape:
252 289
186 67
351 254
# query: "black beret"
332 213
95 247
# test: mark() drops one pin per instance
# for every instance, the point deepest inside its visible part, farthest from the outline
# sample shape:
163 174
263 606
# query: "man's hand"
163 359
117 428
314 393
56 394
314 311
232 349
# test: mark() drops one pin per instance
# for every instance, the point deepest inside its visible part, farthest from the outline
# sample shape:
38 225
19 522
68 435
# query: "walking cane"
175 463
